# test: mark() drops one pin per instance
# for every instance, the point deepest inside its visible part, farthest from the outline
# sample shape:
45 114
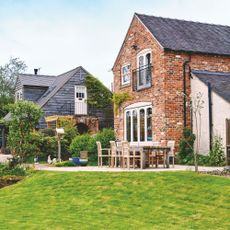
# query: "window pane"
142 125
141 77
141 61
126 73
149 124
134 125
148 59
128 126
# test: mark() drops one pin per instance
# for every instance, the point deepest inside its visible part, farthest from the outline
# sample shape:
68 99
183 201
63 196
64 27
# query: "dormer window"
125 74
18 95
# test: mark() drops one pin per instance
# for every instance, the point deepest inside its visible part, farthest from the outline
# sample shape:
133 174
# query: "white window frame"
19 95
137 106
143 53
122 75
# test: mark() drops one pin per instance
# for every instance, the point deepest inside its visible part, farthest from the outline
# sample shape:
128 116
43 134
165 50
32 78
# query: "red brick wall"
167 80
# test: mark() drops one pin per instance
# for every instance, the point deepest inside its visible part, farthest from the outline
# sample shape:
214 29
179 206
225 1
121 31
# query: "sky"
59 35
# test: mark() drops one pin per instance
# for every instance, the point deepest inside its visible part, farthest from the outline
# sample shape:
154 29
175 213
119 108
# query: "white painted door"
80 100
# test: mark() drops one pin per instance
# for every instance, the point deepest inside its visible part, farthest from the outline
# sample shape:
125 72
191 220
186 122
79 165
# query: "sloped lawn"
57 200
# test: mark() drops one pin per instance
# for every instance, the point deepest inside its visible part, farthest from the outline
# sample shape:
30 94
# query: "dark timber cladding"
56 94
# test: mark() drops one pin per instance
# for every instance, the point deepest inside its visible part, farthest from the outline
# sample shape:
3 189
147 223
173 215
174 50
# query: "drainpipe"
210 115
184 89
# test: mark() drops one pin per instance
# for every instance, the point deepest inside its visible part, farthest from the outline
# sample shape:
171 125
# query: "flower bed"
9 180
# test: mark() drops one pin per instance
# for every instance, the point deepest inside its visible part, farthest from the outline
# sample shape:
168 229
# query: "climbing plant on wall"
99 96
119 99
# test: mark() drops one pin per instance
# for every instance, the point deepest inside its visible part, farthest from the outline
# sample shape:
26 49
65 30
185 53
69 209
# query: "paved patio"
4 157
107 169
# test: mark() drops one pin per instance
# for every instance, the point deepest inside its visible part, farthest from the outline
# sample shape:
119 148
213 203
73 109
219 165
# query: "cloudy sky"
59 35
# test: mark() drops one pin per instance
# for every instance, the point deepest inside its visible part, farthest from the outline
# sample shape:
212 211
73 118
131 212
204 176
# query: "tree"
196 104
24 118
8 76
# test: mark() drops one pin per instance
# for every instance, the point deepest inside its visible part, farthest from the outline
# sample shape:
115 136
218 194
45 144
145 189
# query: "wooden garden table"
158 149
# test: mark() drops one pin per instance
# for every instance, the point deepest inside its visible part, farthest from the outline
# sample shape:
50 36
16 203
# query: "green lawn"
57 200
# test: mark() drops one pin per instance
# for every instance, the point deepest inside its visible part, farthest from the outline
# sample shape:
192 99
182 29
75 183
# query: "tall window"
144 69
142 125
128 126
135 137
138 124
149 124
125 74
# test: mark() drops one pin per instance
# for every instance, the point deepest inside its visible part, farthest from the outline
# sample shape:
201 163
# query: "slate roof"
54 83
57 84
220 82
188 36
36 80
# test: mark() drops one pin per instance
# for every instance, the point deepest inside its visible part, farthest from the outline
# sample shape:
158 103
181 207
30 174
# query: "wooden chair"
113 148
100 153
131 156
152 158
171 153
137 157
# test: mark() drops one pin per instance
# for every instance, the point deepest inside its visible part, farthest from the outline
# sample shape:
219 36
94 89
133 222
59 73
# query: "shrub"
24 118
43 145
80 143
16 171
216 155
185 154
203 160
65 164
48 132
88 143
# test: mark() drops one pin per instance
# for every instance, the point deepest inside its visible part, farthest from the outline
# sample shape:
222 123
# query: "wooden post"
59 148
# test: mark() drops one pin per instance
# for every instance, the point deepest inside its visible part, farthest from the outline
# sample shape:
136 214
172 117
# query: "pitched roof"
188 36
36 80
220 82
54 85
57 84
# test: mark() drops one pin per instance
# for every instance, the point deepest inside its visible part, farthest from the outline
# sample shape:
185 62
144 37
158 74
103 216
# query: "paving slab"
108 169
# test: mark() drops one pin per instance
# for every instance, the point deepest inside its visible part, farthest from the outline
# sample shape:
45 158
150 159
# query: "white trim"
138 104
122 77
19 95
137 108
144 52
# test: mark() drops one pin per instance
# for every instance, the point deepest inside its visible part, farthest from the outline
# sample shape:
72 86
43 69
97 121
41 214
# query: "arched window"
138 122
144 61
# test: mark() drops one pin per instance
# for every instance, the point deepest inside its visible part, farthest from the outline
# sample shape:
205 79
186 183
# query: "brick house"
154 63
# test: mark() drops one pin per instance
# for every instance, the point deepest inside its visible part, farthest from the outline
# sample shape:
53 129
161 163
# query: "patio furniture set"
125 155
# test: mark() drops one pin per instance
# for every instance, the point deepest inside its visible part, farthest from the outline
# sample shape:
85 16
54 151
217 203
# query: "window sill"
125 85
143 88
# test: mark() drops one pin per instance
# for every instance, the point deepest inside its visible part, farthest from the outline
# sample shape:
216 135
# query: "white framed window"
144 64
125 74
138 123
18 95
